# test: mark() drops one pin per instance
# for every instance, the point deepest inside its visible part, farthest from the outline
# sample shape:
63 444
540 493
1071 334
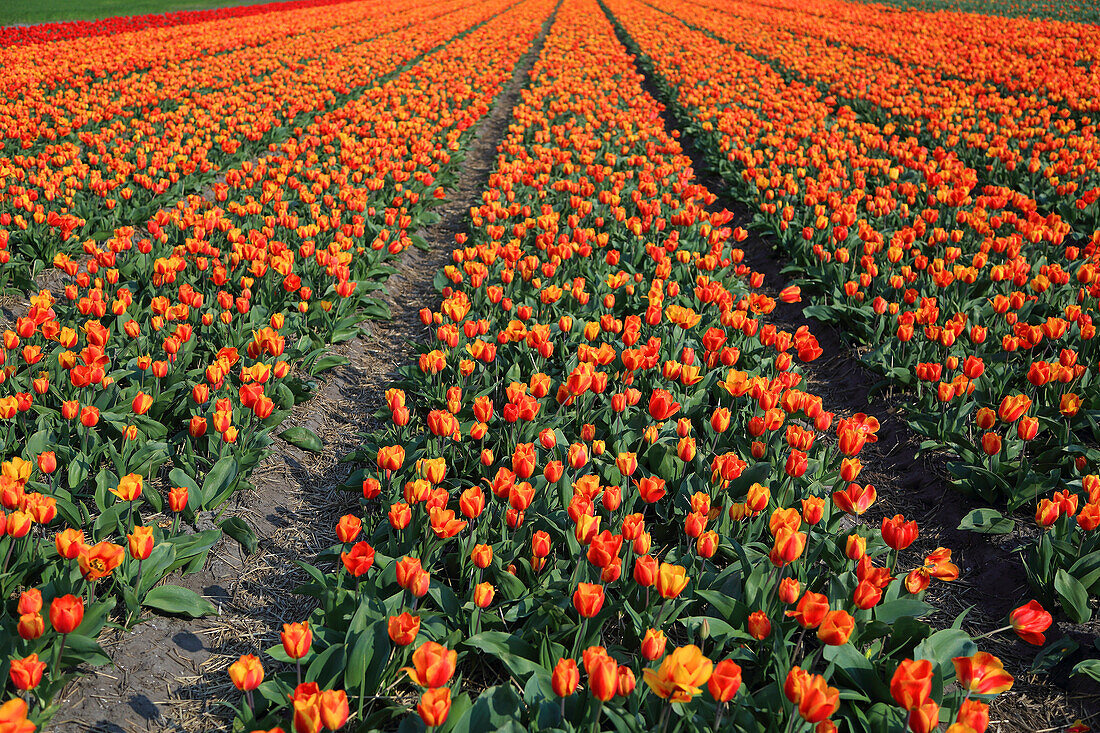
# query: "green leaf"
220 477
176 599
858 669
1089 668
517 654
891 611
987 521
177 477
1053 654
239 530
1074 597
493 708
80 649
943 646
328 362
302 437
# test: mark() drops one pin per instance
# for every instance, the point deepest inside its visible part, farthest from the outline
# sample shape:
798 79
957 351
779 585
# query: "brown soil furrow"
170 674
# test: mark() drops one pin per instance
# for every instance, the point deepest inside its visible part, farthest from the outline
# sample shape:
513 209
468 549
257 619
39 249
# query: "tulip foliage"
604 495
965 263
140 395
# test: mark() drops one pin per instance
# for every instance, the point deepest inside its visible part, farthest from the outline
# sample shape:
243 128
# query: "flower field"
613 482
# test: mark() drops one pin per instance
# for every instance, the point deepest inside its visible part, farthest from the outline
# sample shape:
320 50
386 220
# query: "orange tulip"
565 678
588 599
911 684
671 580
725 680
681 674
66 613
246 673
982 673
434 706
26 673
433 665
297 639
1030 621
811 610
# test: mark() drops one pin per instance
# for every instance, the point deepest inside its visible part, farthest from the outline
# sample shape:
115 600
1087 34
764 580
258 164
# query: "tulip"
483 594
645 571
588 599
99 560
982 673
13 717
789 590
141 543
348 528
1030 621
836 628
671 580
680 675
434 706
433 665
911 684
177 499
403 629
30 626
565 678
758 625
359 559
30 601
818 700
975 714
653 645
811 610
603 676
898 533
651 489
26 673
855 499
627 682
47 462
246 673
69 543
789 546
334 708
662 406
297 639
129 487
725 680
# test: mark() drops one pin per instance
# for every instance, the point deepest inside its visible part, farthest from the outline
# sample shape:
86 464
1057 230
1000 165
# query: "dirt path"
170 673
992 580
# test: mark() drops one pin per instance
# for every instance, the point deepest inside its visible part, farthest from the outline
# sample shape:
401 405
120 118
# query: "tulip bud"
653 645
758 625
565 678
246 673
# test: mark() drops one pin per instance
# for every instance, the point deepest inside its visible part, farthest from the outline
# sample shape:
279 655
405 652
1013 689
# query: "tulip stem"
664 717
7 556
991 633
60 651
580 637
599 712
